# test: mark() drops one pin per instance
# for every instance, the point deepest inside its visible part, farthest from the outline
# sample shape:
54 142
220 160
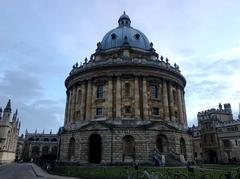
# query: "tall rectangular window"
154 91
99 111
155 111
100 90
127 90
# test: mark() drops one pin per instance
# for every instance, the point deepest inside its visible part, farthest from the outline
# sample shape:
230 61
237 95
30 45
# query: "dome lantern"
124 20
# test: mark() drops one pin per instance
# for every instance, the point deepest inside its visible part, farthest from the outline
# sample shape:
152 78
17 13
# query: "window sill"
156 99
100 99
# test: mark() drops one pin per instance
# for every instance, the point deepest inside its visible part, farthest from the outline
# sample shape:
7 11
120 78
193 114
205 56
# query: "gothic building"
38 145
9 130
125 104
216 139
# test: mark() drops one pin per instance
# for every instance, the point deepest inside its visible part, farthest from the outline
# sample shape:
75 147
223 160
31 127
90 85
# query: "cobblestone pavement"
26 171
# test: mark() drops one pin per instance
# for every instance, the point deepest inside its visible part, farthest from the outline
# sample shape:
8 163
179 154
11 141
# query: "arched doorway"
128 147
95 148
162 143
212 156
71 149
183 148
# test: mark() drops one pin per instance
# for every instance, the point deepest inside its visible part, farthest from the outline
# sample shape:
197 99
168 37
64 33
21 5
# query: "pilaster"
165 101
145 100
136 98
110 98
89 100
118 98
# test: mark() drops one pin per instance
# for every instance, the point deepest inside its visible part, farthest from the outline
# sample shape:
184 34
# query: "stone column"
118 98
171 103
165 101
89 100
82 104
69 105
74 104
66 108
180 105
146 111
110 98
93 96
184 109
136 98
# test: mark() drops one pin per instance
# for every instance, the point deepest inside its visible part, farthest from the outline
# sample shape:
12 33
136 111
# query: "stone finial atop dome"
124 20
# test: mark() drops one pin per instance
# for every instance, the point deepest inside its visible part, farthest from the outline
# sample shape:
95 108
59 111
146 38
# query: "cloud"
20 85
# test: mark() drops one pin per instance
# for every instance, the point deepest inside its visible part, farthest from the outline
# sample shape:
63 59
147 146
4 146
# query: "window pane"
100 91
154 91
98 111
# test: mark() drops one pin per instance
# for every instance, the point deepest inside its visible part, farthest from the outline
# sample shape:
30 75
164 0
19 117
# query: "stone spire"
8 106
7 111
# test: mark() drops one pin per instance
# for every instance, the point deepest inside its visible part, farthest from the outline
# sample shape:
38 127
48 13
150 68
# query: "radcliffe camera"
157 97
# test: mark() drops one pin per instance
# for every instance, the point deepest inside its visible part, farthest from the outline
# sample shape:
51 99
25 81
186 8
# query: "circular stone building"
125 104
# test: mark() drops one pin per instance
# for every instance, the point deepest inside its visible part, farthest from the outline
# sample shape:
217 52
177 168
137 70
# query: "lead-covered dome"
124 34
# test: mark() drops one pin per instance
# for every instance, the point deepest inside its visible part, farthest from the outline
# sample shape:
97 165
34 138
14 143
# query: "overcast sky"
40 40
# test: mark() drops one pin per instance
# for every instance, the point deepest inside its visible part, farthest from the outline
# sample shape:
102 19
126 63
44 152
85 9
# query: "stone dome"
124 34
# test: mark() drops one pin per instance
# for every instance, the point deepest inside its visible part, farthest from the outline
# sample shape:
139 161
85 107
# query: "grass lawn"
121 172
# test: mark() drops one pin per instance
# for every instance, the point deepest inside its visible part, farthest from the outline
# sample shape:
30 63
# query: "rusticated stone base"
114 148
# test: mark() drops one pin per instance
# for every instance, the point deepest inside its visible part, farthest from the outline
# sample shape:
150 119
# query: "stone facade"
216 139
9 130
19 150
37 145
125 103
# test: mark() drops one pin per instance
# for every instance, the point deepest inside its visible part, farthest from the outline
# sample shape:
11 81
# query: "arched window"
162 143
71 149
46 139
54 140
128 146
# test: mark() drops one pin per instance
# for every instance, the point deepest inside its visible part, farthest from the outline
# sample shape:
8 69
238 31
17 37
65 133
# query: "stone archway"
71 149
212 155
162 143
95 148
183 148
128 148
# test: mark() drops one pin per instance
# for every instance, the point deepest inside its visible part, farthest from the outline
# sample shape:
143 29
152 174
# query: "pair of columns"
87 100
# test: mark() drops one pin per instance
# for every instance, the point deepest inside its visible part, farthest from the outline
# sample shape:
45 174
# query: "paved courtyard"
25 171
